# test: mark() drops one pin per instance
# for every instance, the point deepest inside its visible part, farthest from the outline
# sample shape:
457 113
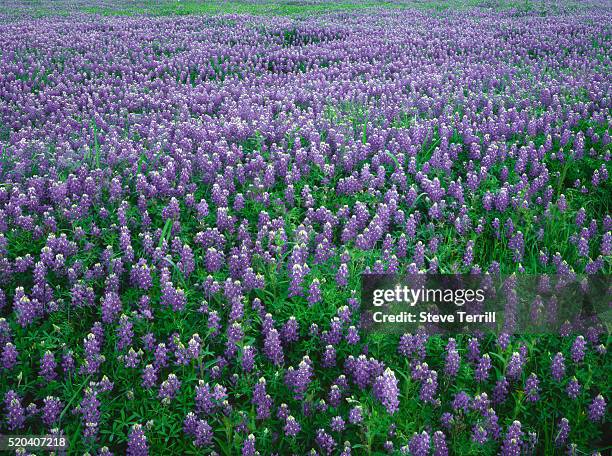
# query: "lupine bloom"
202 433
413 345
273 348
149 376
597 408
161 357
355 415
51 410
479 434
337 424
481 373
453 361
558 367
137 442
480 402
562 432
248 447
325 441
248 358
90 411
511 445
93 359
47 366
299 379
329 357
314 292
386 391
439 442
169 387
15 413
419 444
500 391
352 335
515 366
503 340
342 275
261 399
290 331
473 350
532 386
578 348
573 388
208 400
292 427
67 362
447 420
9 356
429 387
461 401
111 307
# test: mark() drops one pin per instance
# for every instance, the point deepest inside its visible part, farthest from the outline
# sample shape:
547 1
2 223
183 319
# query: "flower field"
188 202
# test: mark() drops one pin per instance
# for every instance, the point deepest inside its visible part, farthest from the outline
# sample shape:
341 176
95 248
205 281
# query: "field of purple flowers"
187 204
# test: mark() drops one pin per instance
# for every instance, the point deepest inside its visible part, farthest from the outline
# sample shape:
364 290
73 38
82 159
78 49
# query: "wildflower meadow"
190 193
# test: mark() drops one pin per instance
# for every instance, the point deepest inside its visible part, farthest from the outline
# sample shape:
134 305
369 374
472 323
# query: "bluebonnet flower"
15 413
562 432
453 362
9 356
558 367
386 390
479 434
248 358
149 376
597 408
355 415
169 387
292 427
337 424
419 444
511 445
325 441
137 442
532 387
51 410
272 347
248 446
439 442
481 373
261 399
578 348
573 388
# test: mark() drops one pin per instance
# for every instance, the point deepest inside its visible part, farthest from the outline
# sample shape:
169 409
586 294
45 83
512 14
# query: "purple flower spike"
9 356
597 409
292 427
419 445
512 443
578 349
532 388
386 391
137 442
248 447
558 367
573 388
51 410
562 432
15 413
47 366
